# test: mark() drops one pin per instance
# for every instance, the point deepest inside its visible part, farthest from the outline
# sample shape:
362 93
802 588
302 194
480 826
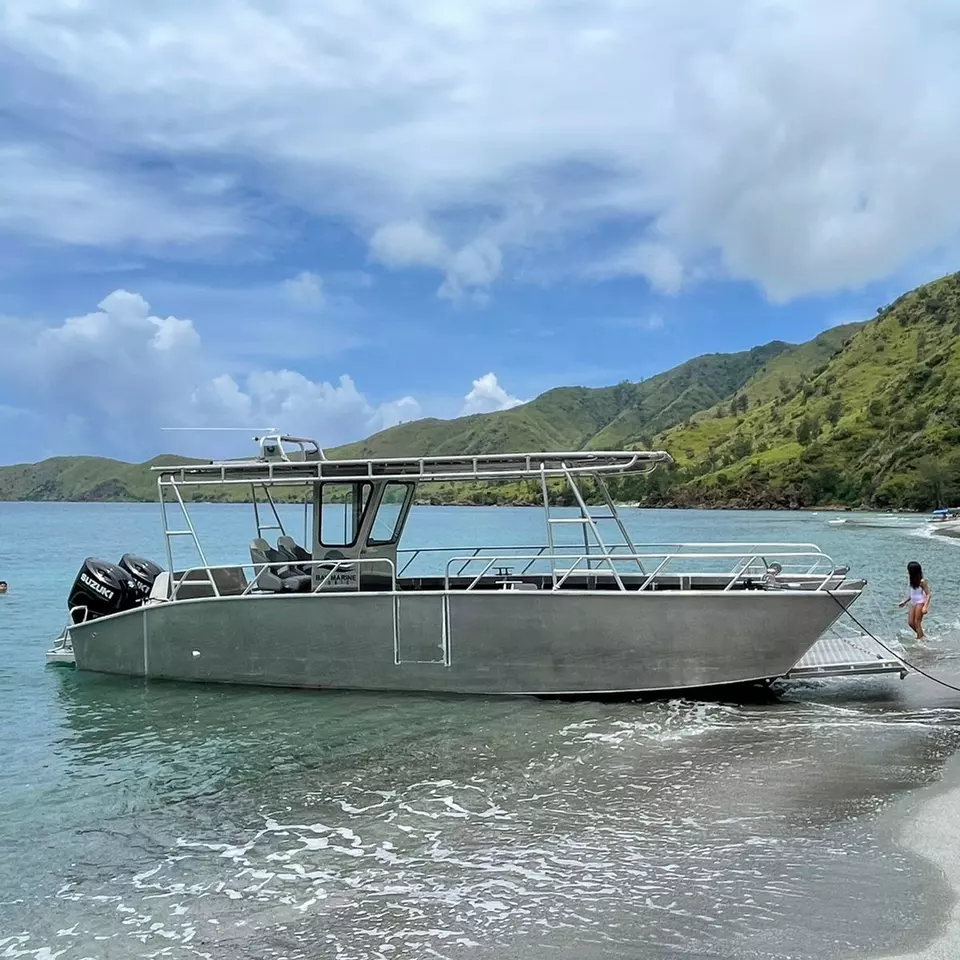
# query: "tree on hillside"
834 411
807 430
739 448
934 475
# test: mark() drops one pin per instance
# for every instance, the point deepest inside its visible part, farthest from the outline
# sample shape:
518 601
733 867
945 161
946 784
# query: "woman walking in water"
919 598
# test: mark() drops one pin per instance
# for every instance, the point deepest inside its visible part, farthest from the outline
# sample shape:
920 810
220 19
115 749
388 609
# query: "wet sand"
930 828
948 528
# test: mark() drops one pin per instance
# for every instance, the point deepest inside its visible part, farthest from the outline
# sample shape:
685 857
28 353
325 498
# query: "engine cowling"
102 588
143 573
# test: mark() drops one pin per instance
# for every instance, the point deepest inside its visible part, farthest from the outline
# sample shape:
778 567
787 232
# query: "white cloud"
109 380
654 261
487 396
475 265
305 290
409 243
655 322
82 203
333 413
758 136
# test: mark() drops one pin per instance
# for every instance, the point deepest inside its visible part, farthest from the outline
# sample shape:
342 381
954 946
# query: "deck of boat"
846 656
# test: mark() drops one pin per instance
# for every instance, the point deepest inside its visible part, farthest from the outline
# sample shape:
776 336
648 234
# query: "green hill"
877 423
82 478
627 414
865 413
576 418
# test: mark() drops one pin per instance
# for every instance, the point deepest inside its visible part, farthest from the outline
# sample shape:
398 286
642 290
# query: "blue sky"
332 218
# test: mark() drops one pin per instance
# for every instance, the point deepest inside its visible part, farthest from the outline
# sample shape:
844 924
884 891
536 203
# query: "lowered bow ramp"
843 657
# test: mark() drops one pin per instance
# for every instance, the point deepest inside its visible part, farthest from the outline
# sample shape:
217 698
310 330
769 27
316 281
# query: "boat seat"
161 587
283 579
292 549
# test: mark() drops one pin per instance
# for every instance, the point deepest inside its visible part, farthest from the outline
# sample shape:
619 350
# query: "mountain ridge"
861 415
561 418
876 424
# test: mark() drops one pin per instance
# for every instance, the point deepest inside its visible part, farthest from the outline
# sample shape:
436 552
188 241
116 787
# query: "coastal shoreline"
948 528
932 831
620 504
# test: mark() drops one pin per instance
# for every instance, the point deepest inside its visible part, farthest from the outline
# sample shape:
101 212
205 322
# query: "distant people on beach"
919 598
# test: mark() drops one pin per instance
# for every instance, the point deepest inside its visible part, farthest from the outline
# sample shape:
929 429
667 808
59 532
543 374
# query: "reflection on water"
273 823
176 820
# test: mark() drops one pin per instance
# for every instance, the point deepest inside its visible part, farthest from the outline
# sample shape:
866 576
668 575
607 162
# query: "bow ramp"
836 656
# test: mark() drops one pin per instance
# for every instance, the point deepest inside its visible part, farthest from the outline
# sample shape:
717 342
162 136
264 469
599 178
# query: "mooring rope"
896 656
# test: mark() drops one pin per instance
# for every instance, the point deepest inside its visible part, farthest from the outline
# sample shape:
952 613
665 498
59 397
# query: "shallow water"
152 819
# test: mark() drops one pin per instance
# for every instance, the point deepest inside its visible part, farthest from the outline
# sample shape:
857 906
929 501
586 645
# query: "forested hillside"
877 423
865 414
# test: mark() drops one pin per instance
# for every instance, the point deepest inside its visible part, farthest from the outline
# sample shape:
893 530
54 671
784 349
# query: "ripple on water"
678 825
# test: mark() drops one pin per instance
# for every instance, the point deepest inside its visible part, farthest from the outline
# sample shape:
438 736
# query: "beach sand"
948 528
932 831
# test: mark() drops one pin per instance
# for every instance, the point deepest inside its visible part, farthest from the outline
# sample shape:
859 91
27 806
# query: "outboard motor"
142 572
103 588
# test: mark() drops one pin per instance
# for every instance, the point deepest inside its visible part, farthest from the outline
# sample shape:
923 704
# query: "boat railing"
242 586
409 556
812 565
729 566
72 615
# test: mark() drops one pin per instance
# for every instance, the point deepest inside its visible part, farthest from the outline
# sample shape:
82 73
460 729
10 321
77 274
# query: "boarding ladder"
187 531
589 523
190 531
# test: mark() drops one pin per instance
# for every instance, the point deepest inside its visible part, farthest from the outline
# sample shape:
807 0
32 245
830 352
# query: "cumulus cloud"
487 396
305 290
333 413
408 243
110 379
761 137
654 261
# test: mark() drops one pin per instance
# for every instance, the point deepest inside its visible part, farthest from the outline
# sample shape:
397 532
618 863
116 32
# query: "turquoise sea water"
150 819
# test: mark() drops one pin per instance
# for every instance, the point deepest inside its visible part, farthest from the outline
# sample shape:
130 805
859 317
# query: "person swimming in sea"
919 598
3 586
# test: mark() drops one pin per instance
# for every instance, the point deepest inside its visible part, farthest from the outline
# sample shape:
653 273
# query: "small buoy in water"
196 653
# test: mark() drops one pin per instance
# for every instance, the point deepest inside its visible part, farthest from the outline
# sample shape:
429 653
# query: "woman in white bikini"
919 598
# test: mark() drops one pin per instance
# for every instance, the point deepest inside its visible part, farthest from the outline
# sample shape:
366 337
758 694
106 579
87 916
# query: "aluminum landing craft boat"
349 609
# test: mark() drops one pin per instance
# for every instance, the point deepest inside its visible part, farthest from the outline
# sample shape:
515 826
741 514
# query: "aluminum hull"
505 642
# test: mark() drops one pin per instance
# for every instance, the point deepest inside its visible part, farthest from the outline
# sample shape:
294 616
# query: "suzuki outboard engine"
103 588
142 572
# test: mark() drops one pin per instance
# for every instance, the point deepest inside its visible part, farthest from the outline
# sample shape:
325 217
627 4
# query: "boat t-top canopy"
510 466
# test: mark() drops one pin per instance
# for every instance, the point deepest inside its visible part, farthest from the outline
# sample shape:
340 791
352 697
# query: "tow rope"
896 656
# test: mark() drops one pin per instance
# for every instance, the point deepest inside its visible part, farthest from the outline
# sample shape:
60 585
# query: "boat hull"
508 642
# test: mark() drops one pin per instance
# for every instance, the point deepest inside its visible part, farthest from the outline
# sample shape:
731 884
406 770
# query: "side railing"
229 584
407 558
727 563
816 568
